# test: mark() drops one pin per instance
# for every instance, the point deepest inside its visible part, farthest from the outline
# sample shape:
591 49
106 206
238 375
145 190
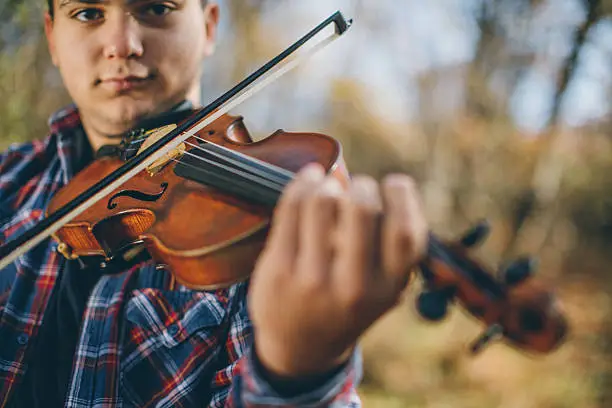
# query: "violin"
195 193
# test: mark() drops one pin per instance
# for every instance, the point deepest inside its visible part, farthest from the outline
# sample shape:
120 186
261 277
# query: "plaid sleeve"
238 384
251 390
21 169
18 157
10 175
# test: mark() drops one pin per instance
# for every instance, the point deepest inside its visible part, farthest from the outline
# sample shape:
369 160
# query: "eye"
88 14
156 10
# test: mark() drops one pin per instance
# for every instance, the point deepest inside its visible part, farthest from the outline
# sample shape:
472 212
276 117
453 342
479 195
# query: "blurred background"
500 109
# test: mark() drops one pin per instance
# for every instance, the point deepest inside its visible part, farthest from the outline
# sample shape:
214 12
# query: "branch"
593 14
548 172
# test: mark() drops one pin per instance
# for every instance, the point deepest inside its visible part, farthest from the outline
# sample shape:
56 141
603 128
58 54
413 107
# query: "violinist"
336 259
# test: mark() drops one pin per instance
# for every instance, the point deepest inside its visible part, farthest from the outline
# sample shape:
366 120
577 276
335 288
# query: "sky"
391 42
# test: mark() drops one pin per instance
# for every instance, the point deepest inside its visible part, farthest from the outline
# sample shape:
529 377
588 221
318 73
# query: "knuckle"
311 280
289 203
355 296
365 202
363 179
312 283
327 195
291 195
421 241
400 180
407 240
405 233
326 206
410 183
303 192
274 257
414 241
364 185
304 181
292 199
401 184
364 211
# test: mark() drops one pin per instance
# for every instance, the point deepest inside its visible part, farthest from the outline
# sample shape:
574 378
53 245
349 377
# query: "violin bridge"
154 135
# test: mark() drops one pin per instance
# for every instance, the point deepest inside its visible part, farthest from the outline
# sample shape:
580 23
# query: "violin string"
282 175
248 159
238 155
249 165
247 176
141 139
231 185
275 190
255 176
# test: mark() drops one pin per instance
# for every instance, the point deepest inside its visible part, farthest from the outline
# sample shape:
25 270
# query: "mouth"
124 83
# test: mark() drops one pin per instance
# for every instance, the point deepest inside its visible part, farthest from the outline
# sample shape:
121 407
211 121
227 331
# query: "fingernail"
312 171
331 186
396 179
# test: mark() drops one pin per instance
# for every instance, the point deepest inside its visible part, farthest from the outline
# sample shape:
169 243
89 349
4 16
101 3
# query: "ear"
211 22
49 35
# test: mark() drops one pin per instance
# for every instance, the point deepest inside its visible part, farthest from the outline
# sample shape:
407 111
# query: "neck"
99 135
97 138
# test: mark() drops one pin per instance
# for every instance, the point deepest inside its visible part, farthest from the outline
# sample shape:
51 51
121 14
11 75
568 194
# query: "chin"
124 114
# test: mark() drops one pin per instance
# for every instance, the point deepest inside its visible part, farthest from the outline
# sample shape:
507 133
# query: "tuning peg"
476 234
492 333
519 270
432 304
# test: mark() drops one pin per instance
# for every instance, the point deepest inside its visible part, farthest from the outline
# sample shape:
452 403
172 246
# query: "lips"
124 83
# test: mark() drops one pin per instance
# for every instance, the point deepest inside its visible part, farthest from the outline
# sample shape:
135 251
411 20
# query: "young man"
335 260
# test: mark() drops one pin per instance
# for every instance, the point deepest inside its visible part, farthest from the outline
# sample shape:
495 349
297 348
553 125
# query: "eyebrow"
64 3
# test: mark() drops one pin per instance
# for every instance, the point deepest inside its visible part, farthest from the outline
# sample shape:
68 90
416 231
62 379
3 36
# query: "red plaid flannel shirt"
140 344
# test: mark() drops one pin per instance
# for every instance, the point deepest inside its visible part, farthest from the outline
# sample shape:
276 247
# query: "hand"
335 261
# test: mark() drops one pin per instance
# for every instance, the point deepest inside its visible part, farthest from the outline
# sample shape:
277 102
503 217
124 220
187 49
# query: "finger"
404 235
317 226
284 231
358 247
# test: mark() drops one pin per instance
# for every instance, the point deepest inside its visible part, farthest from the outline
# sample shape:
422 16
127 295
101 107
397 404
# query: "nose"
122 39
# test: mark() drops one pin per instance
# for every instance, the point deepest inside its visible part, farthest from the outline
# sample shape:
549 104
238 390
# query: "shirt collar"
73 148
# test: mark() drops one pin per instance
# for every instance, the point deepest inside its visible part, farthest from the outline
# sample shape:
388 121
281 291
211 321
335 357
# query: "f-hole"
138 195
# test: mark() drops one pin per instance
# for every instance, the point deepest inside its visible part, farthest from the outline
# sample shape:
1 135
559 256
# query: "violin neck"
459 266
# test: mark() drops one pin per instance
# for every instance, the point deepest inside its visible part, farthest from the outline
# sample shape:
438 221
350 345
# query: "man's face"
122 60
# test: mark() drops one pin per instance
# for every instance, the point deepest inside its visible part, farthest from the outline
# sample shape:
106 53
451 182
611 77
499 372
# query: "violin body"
205 237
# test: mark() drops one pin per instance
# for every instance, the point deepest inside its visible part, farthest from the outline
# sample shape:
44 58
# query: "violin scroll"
513 306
